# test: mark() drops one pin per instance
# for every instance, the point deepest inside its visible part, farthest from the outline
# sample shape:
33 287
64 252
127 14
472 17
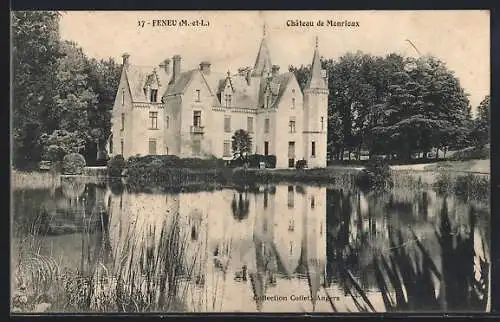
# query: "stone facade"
161 110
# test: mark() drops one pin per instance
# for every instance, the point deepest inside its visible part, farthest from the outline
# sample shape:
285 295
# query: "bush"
172 161
376 176
116 166
301 164
73 163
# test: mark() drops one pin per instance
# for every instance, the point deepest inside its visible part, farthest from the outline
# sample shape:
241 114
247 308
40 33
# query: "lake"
87 246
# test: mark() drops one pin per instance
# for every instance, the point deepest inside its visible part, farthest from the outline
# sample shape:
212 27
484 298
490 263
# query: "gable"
138 77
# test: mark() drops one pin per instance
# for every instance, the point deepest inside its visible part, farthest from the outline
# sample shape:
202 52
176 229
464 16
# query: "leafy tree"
103 78
35 50
241 142
74 98
481 125
60 143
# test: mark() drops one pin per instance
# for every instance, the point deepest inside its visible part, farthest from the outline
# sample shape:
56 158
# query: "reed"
410 281
148 274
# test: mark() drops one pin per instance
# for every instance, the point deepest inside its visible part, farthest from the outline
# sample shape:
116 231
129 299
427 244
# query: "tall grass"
140 275
33 179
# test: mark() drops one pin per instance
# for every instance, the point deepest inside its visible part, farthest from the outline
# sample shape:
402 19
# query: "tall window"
293 102
291 248
227 124
153 118
198 95
291 125
290 201
196 147
123 97
266 126
197 118
313 149
313 202
123 121
111 144
227 148
121 146
229 99
291 225
268 100
152 146
250 124
153 95
322 123
265 198
167 122
266 148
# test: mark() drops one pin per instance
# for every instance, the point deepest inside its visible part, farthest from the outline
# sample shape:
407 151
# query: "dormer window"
198 95
228 98
153 96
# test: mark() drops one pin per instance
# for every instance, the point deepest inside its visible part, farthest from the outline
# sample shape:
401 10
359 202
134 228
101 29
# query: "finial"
317 42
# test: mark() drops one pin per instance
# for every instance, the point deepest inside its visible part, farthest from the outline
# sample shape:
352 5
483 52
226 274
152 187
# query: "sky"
231 40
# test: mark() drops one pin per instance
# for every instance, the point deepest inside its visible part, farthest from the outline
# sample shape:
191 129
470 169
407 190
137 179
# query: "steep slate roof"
248 91
137 76
179 87
263 60
316 80
244 95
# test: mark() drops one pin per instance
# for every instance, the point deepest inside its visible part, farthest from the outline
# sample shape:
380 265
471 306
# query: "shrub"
301 164
116 166
73 163
376 176
172 161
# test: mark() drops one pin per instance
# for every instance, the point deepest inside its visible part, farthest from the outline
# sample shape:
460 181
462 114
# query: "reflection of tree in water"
72 188
240 207
405 271
116 186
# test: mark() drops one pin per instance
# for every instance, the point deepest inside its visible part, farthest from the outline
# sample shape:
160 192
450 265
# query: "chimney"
205 67
165 65
177 68
125 58
275 70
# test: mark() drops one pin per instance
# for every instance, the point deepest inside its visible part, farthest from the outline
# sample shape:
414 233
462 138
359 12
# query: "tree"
103 78
241 143
60 143
74 98
481 124
35 50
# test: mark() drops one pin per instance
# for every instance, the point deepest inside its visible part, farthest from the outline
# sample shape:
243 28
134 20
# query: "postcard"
250 161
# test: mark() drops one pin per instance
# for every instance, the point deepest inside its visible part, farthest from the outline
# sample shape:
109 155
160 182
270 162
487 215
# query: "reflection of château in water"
264 239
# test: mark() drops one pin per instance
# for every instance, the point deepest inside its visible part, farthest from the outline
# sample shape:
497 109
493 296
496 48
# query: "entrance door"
291 154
